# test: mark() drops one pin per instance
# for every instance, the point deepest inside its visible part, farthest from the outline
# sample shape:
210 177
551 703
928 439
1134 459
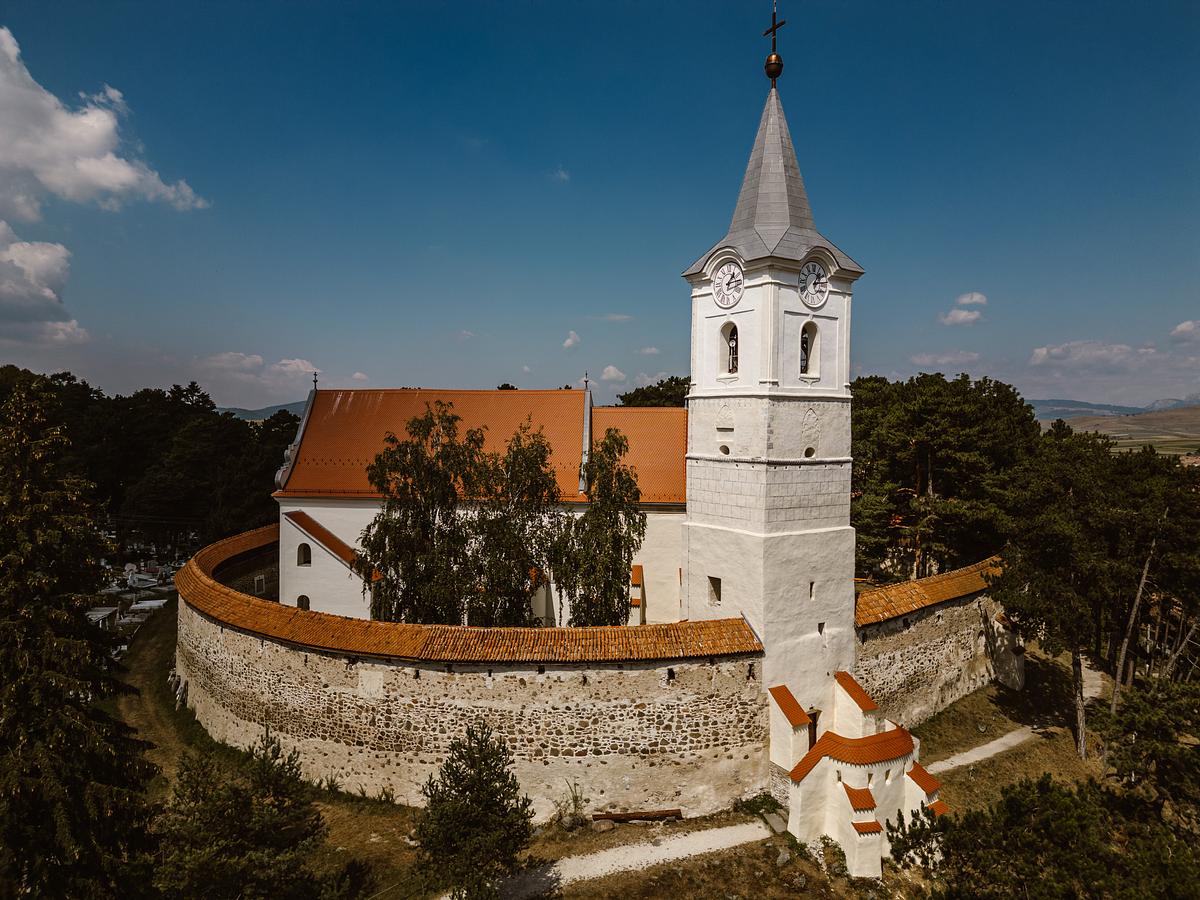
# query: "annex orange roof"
860 798
939 807
856 692
345 429
787 704
890 601
443 643
920 775
326 538
867 827
635 576
863 751
657 447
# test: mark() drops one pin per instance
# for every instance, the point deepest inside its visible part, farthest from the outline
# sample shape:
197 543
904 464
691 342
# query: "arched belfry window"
729 349
304 555
808 349
302 601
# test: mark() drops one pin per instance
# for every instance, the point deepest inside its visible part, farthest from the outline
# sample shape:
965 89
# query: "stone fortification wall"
689 733
918 663
641 717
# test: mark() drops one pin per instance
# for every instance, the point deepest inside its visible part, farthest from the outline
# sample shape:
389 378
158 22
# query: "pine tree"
476 822
245 832
73 818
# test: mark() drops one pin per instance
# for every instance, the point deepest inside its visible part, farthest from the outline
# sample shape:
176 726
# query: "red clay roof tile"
939 807
860 798
444 643
867 827
923 779
856 692
890 601
874 748
787 704
657 447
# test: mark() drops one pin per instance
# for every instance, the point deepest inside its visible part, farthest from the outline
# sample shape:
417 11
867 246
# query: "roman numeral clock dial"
728 285
814 284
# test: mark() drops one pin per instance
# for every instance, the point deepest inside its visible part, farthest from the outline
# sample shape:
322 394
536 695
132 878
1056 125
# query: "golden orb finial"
774 64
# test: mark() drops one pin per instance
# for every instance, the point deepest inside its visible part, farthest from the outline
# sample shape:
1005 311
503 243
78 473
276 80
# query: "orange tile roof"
444 643
863 751
791 710
657 447
860 798
867 827
635 576
890 601
326 539
856 692
939 807
923 779
346 428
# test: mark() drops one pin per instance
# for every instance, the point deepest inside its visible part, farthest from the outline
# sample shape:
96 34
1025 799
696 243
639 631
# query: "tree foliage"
670 391
929 455
246 832
594 553
476 821
73 820
1046 840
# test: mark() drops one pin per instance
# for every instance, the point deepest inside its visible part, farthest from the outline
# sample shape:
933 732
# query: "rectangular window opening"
260 585
714 591
812 591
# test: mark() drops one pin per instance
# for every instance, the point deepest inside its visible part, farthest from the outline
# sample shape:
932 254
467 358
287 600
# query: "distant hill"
266 412
1049 410
1175 430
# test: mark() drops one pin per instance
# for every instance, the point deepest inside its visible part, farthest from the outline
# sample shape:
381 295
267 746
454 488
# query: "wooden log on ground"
645 816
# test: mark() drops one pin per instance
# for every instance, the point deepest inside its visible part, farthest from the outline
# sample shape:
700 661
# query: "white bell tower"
767 533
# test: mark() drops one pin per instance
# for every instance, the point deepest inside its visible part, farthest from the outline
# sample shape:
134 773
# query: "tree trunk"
1080 717
1169 666
1137 603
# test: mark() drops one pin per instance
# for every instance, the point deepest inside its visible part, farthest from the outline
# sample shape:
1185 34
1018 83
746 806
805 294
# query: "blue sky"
440 195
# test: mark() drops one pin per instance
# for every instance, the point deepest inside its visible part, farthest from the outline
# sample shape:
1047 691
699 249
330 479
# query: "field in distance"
1172 431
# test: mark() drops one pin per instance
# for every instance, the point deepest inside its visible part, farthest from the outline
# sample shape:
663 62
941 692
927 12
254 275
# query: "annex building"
749 664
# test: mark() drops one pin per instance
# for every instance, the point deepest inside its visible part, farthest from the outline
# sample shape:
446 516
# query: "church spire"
772 217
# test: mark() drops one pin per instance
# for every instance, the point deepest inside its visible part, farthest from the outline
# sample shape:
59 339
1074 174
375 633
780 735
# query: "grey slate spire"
772 217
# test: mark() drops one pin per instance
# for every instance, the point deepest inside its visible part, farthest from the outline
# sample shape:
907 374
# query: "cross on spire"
775 25
774 64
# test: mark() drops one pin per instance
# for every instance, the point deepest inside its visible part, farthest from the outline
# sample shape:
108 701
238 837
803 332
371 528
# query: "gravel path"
1093 686
633 856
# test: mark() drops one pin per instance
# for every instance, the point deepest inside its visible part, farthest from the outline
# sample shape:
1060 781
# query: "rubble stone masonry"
688 734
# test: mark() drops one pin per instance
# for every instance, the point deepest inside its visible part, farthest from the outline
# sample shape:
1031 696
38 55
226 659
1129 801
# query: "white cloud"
526 369
954 358
642 379
559 174
960 317
612 373
465 335
1083 356
360 376
73 154
972 298
571 341
1186 332
615 317
232 361
649 351
32 277
248 375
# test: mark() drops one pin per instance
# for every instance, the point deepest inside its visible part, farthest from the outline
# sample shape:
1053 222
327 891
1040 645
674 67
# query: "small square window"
714 591
260 585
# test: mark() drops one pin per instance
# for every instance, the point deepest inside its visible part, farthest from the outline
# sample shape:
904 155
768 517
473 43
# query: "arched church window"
808 349
302 601
729 349
304 555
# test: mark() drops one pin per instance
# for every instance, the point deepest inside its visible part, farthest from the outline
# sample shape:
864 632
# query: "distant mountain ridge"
266 412
1048 410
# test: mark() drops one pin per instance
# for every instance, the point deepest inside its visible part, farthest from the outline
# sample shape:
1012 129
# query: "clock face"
814 284
728 284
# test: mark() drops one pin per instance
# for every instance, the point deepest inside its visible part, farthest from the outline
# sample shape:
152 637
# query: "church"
742 593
